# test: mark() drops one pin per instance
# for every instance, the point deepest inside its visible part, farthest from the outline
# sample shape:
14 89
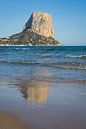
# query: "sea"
45 87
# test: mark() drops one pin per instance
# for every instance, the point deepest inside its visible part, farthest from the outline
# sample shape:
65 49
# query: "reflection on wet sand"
35 91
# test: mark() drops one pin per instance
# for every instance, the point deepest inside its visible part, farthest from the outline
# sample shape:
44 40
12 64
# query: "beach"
42 87
8 121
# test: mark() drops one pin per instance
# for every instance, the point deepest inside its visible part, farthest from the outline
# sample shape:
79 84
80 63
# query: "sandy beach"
8 121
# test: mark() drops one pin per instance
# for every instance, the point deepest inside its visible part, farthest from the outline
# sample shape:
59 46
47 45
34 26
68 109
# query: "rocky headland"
38 31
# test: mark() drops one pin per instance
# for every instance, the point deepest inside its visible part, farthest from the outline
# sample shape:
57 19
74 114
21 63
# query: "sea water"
44 86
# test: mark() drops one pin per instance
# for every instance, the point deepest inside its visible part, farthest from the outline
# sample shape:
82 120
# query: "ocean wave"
20 48
77 56
69 65
62 65
20 62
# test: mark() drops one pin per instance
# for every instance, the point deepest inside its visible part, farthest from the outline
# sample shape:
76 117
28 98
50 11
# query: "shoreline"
33 45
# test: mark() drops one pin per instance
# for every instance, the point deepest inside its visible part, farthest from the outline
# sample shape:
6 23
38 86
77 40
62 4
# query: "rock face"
38 31
41 23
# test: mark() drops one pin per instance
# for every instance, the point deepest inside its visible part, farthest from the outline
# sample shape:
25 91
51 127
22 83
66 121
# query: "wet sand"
8 121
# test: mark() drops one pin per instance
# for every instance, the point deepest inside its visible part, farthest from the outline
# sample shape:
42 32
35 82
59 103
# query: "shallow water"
45 87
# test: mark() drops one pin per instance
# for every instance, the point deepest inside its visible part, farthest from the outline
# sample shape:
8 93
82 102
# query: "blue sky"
69 18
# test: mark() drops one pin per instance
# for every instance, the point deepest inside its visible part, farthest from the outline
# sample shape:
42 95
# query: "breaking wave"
69 65
19 62
77 56
63 65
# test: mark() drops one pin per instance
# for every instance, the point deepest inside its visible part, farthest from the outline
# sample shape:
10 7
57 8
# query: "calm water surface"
45 87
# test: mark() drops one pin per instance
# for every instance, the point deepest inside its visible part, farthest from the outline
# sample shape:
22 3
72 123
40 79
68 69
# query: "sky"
69 18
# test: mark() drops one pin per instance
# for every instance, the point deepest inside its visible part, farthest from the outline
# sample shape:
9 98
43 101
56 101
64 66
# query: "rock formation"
41 23
38 31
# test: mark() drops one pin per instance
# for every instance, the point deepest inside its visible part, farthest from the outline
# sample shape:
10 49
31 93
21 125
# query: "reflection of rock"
35 91
40 73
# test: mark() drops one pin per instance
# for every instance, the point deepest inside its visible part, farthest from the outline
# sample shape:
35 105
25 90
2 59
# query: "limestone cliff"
41 23
38 31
